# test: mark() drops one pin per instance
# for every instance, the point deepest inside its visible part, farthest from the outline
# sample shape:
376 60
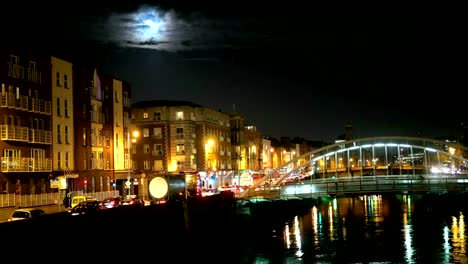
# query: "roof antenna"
234 107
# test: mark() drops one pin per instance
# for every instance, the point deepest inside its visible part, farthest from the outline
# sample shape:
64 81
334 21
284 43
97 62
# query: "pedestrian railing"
31 200
361 185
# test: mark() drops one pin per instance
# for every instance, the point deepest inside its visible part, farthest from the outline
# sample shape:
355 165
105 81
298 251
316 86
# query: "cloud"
153 28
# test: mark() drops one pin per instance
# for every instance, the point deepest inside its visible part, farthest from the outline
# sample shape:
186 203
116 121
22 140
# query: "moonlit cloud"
152 28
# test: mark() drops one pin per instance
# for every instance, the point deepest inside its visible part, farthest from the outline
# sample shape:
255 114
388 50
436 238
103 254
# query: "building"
267 154
63 133
246 145
100 107
26 121
181 136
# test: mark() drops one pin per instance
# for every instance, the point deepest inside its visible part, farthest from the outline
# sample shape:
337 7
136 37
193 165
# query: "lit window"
180 115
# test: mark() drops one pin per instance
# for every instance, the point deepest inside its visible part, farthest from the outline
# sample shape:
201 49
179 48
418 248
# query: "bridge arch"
372 156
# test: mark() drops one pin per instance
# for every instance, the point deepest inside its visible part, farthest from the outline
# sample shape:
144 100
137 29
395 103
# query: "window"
57 80
157 132
158 150
117 140
147 165
179 132
108 139
59 134
145 115
116 96
180 115
58 107
158 165
84 136
65 81
146 148
67 159
85 160
84 112
59 160
66 135
108 161
145 132
157 116
65 107
180 149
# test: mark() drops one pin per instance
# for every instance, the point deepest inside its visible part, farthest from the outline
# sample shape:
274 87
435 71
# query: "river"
363 229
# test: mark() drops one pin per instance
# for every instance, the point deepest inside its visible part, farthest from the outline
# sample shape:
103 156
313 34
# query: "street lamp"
135 135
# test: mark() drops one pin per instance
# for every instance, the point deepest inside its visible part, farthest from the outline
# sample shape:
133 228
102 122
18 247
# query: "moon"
149 26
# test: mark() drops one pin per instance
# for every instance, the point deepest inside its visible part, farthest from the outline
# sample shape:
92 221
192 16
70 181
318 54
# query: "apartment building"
247 148
63 133
100 103
26 121
181 136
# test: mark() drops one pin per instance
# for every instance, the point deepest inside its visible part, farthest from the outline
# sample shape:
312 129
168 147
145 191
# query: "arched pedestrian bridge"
369 165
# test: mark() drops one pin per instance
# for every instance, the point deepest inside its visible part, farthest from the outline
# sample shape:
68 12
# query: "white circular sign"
158 187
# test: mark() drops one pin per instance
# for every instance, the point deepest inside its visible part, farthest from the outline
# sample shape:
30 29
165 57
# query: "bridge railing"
361 185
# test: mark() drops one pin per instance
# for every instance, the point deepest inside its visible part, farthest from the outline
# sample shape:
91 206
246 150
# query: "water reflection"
407 229
458 239
375 228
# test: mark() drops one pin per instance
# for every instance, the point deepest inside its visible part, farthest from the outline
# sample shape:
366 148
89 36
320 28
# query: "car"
110 202
133 201
79 198
25 214
87 208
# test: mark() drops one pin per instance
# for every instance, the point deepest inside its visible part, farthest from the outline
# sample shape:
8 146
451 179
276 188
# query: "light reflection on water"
373 229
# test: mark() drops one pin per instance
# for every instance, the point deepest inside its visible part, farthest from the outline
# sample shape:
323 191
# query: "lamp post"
135 135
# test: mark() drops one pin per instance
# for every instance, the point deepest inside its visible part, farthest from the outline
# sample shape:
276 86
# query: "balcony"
40 136
97 117
26 165
14 133
8 100
40 106
24 134
179 135
97 164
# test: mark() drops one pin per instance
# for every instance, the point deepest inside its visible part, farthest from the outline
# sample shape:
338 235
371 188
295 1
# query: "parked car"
79 198
25 214
88 208
110 202
133 201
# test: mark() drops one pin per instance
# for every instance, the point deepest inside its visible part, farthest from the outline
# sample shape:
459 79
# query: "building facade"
99 126
26 121
63 133
182 136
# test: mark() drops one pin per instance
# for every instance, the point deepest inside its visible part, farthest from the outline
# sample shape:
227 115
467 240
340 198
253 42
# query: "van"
80 198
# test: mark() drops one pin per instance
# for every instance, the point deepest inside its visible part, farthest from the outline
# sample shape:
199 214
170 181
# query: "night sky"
294 68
